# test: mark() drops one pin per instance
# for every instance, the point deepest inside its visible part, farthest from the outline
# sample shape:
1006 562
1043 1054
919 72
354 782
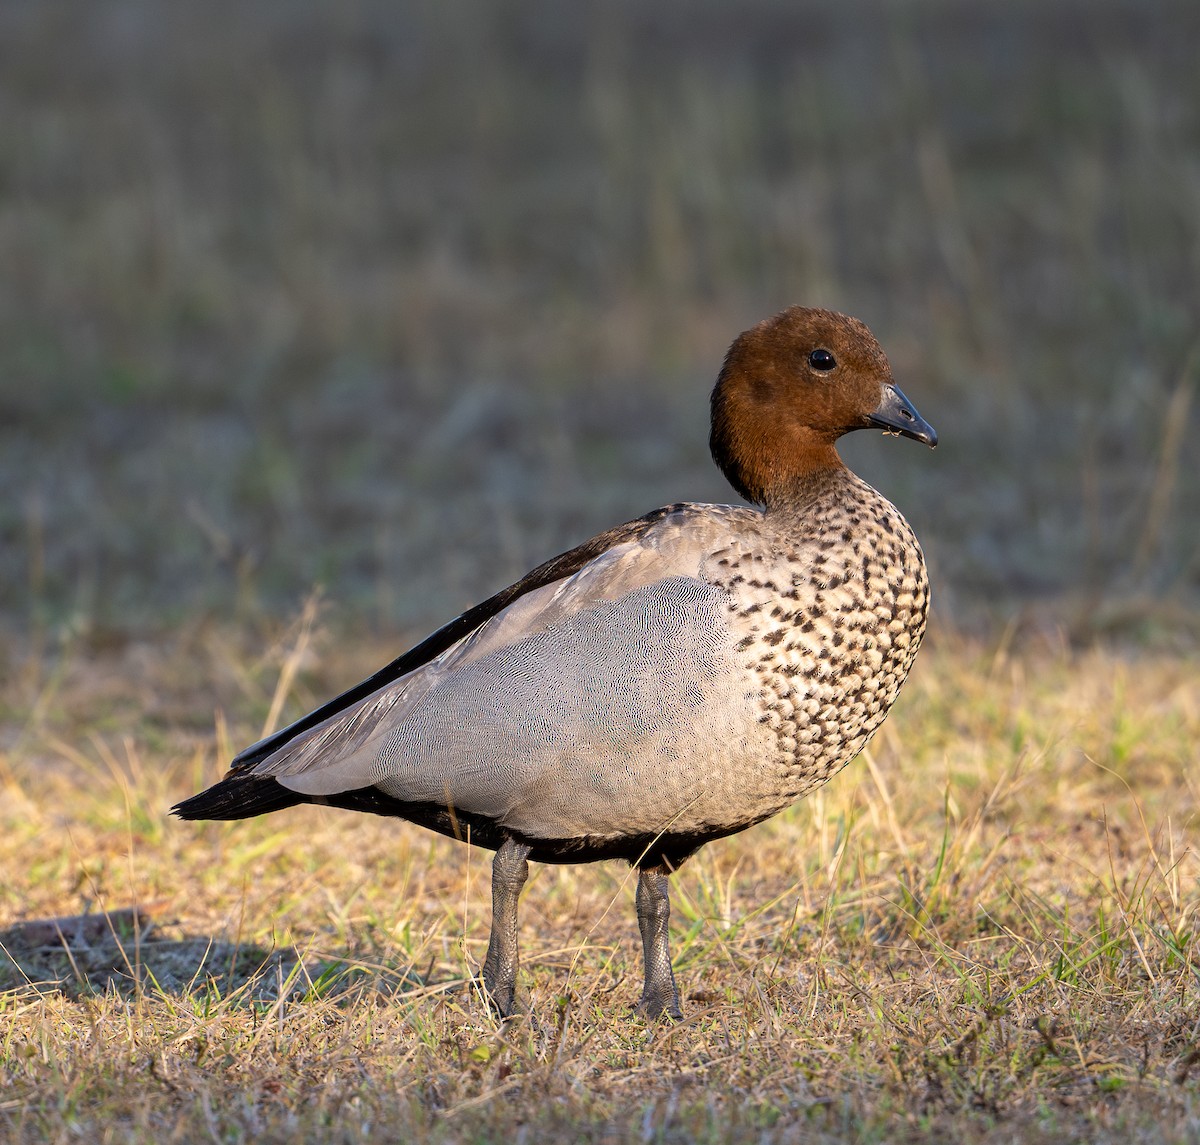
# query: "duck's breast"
828 619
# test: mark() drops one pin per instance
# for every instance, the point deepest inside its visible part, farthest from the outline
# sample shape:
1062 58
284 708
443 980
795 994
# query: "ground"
982 930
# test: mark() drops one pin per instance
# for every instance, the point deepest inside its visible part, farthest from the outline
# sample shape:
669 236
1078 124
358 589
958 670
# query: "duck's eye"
822 360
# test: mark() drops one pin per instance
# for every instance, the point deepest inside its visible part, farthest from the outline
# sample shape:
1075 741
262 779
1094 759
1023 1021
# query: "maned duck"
673 680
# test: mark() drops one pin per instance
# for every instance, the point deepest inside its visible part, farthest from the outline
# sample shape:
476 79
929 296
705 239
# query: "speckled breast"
828 615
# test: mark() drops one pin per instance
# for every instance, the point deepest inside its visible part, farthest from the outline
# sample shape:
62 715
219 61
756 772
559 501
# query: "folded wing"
557 713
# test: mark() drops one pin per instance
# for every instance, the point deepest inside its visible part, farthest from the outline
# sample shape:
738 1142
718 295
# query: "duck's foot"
660 996
500 966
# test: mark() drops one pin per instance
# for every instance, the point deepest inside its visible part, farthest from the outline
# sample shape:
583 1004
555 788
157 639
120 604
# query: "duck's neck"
801 485
796 497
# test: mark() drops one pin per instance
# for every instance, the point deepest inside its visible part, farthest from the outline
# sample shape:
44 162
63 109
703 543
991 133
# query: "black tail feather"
239 796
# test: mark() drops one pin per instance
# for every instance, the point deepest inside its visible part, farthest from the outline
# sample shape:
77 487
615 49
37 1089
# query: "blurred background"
400 299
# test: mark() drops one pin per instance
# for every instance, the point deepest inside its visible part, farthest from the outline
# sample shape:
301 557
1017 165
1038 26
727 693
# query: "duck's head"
789 388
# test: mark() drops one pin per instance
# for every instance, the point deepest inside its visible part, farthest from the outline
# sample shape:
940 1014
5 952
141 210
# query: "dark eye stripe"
822 360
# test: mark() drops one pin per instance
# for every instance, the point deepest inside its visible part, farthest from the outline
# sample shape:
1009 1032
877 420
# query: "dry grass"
983 932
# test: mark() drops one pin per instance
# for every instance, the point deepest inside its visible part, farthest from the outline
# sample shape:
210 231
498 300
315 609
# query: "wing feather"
342 750
555 569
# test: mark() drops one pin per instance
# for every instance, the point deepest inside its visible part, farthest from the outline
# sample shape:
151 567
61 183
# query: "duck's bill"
895 414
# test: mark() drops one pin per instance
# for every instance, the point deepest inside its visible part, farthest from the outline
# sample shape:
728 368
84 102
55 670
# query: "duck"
671 681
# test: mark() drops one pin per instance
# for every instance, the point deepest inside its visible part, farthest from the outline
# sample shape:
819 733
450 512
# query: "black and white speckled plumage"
829 608
671 681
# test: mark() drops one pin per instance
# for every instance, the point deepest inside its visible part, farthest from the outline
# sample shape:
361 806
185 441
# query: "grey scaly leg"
659 994
509 872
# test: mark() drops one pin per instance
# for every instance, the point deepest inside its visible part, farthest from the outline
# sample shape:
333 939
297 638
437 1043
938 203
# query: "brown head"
789 388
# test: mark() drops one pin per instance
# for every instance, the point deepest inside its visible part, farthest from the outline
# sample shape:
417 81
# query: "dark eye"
822 360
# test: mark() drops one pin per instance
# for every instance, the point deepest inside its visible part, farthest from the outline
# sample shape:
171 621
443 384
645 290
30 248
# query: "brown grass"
985 931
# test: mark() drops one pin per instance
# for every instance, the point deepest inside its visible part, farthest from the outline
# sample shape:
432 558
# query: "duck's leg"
659 993
509 872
